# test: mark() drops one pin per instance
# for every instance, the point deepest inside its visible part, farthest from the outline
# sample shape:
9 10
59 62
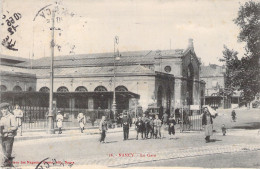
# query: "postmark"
10 22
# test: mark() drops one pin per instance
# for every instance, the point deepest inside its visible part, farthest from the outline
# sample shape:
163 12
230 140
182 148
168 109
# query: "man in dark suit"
126 124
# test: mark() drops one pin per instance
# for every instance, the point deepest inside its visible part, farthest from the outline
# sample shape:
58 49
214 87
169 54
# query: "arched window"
81 89
45 90
3 88
62 89
121 89
17 89
100 89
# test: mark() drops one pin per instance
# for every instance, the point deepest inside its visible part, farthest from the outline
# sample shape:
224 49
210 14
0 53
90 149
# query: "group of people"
10 122
149 127
146 126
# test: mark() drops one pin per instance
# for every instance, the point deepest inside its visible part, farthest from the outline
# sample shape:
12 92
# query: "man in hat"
8 132
126 124
18 113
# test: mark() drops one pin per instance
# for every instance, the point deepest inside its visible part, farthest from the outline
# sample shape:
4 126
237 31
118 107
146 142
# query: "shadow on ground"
248 126
214 140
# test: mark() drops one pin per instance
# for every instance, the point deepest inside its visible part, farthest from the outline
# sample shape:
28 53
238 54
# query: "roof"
95 71
127 94
102 59
10 70
11 60
212 71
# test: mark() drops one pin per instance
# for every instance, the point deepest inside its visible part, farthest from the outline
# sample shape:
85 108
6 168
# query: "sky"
90 26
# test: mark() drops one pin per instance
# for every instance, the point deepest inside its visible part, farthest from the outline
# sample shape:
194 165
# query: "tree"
249 22
243 74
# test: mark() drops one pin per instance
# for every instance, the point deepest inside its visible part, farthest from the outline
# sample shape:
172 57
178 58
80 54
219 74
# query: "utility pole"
50 129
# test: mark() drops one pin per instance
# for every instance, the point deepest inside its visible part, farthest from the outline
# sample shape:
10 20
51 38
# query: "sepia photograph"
129 84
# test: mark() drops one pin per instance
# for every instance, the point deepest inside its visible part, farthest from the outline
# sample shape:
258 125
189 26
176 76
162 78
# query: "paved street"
185 145
186 149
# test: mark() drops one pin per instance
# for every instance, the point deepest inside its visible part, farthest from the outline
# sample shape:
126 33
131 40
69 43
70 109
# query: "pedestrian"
9 128
165 124
103 128
18 113
165 118
92 117
59 119
157 126
151 127
224 129
145 125
82 121
207 123
233 115
126 124
171 124
139 127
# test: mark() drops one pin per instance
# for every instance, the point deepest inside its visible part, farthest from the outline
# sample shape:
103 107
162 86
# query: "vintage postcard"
129 84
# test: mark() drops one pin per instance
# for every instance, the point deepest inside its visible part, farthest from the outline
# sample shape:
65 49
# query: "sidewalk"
67 132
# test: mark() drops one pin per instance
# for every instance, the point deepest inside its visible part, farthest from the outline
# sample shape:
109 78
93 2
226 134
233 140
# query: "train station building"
168 79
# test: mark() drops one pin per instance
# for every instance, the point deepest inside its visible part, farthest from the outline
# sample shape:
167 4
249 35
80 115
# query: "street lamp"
50 129
116 58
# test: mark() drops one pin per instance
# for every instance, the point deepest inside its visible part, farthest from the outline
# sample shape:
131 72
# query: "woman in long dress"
207 122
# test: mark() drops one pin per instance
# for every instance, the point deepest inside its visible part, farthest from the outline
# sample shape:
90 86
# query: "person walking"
126 124
171 124
82 121
207 123
139 127
165 124
92 117
103 128
151 127
157 126
233 115
145 126
59 120
9 128
18 113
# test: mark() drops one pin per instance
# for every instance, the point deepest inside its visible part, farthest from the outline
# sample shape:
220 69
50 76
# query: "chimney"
191 43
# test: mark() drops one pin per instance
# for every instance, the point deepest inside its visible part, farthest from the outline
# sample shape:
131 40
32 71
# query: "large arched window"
100 89
17 89
81 89
62 89
121 89
3 88
45 89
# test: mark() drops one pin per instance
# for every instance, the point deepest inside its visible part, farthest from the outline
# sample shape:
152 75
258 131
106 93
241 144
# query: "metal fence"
191 123
36 117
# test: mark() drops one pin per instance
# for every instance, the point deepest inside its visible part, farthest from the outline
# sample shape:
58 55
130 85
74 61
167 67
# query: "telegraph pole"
50 129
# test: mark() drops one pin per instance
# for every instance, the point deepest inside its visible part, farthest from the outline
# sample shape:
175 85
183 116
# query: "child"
59 119
224 130
82 120
139 127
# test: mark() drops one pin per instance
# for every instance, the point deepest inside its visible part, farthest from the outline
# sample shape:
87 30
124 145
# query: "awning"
109 94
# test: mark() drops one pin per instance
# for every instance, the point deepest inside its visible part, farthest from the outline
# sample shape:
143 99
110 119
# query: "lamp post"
50 129
116 58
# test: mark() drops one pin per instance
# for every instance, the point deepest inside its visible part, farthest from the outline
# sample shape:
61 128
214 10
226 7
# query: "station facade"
169 79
